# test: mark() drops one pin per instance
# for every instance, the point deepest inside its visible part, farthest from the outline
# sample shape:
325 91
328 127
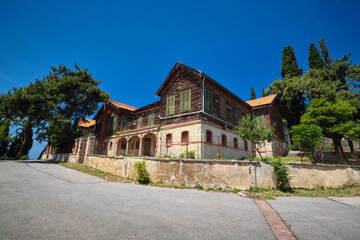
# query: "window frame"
206 136
236 143
166 139
246 146
182 137
223 137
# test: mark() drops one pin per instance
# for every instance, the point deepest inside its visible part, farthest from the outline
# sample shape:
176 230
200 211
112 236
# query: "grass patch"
348 191
95 172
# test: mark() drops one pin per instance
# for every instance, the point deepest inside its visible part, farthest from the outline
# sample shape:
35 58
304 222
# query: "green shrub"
191 154
143 174
167 156
24 157
281 171
199 187
181 155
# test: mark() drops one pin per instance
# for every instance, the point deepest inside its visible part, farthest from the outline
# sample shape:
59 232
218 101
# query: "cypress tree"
315 60
263 93
252 94
325 53
289 66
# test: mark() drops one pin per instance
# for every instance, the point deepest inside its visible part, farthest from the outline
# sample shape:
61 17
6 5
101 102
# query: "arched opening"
121 147
149 145
134 146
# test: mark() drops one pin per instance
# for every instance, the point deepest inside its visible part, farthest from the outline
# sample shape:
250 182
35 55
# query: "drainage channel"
277 225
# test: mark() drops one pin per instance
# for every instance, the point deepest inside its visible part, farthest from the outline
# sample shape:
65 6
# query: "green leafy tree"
289 66
291 93
73 96
263 93
334 117
5 137
315 60
255 132
252 94
308 136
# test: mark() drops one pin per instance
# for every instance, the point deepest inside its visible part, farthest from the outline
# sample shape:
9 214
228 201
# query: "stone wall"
221 173
65 157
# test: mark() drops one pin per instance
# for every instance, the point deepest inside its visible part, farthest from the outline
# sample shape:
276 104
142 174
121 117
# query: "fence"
329 154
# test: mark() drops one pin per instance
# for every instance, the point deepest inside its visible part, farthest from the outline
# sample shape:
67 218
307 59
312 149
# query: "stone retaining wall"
221 173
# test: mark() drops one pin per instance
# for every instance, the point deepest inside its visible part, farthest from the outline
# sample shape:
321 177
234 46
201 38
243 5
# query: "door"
147 145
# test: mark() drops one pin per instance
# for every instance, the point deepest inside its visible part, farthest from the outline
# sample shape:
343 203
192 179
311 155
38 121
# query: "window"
223 140
236 145
170 102
246 145
208 99
168 139
233 113
151 118
185 104
222 107
110 145
185 137
260 117
139 121
137 144
208 136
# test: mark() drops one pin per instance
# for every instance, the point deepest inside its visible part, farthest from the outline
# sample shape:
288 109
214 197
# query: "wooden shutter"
185 100
234 114
170 101
208 99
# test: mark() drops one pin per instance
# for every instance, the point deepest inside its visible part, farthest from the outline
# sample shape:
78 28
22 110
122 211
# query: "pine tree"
315 60
325 53
289 66
252 94
263 93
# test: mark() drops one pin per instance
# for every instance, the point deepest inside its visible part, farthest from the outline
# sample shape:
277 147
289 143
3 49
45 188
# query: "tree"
315 60
308 136
5 137
291 94
334 117
73 96
255 132
252 94
289 66
325 53
263 93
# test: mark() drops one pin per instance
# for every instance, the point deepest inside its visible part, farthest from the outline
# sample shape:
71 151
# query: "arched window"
185 137
246 145
223 140
236 145
168 139
208 136
110 145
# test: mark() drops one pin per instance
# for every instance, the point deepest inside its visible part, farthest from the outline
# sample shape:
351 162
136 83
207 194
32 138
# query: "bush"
191 154
181 155
24 157
143 174
281 171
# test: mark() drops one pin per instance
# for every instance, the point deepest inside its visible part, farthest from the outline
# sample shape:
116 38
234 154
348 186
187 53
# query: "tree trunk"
337 143
351 145
23 143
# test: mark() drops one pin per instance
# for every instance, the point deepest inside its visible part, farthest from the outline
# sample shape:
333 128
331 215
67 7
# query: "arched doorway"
121 147
149 144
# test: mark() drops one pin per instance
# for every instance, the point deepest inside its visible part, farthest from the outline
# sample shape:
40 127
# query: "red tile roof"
87 123
262 101
122 105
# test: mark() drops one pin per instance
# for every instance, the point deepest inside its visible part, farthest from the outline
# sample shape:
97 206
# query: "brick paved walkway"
276 224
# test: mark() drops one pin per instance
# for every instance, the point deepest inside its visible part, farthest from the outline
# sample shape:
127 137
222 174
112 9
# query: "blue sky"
132 45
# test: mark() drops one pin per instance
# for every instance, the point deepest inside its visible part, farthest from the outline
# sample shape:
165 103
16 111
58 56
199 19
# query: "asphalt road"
47 201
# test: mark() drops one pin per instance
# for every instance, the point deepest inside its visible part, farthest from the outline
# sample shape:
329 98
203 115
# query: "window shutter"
170 105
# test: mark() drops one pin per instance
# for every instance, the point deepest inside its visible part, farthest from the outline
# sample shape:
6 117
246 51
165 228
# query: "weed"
281 171
143 174
199 187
